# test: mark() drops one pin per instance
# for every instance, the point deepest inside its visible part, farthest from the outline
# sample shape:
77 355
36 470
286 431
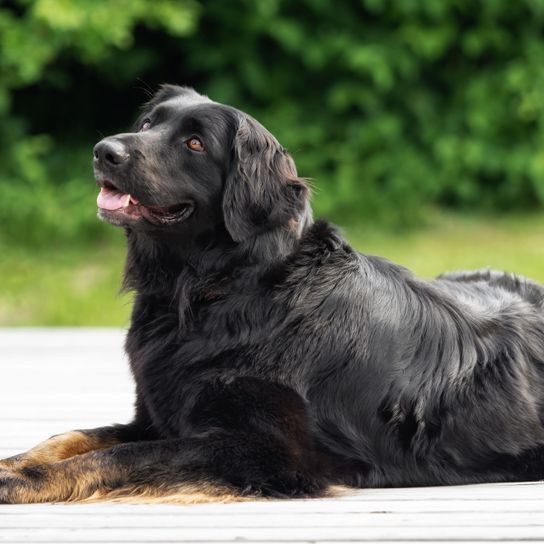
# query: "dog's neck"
157 265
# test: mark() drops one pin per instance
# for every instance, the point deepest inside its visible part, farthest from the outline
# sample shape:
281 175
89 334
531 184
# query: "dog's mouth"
117 207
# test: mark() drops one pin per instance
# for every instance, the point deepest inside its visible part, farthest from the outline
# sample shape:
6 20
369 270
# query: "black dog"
270 358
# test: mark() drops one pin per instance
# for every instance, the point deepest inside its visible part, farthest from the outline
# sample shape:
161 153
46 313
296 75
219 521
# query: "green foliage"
388 105
392 105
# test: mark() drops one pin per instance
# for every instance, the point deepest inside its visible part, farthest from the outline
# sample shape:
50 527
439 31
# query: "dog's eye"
146 123
194 144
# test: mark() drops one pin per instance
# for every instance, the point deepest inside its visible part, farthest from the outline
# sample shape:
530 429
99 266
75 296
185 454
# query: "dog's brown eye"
195 144
145 125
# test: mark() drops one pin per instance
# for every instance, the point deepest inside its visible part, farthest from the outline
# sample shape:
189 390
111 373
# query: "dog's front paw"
28 485
7 474
13 488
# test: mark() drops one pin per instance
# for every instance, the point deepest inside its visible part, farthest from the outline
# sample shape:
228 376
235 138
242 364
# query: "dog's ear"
262 189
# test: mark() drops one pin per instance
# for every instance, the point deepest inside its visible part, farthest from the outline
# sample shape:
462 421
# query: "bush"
389 106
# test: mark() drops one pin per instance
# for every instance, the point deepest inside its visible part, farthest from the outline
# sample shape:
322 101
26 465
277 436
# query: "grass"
74 286
79 286
453 242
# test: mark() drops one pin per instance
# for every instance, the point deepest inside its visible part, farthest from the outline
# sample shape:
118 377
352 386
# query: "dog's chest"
246 335
170 364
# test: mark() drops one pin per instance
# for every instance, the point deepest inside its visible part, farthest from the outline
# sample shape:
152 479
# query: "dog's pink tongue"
109 199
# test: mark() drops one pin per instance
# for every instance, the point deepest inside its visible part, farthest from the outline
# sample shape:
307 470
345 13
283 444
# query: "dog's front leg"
154 470
251 438
66 445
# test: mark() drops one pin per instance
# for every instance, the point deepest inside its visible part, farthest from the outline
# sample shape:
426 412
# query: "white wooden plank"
480 492
265 508
73 414
76 378
186 519
92 337
260 534
30 540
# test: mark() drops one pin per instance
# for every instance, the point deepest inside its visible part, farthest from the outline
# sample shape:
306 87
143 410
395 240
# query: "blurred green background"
420 122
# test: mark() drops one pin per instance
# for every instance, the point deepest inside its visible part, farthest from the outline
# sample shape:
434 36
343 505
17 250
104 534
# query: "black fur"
271 356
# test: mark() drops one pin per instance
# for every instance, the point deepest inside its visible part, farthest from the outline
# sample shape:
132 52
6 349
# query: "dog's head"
192 165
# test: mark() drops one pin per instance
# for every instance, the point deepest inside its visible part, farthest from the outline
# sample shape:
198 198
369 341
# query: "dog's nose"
110 151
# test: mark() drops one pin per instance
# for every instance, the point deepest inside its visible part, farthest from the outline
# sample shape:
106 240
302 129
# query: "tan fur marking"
63 489
57 448
190 493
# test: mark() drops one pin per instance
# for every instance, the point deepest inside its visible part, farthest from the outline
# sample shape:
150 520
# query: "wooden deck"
56 380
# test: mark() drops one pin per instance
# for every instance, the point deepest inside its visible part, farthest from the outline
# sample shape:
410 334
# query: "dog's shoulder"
323 246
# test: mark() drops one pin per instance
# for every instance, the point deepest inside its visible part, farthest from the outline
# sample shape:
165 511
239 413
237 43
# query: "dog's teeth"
126 201
134 201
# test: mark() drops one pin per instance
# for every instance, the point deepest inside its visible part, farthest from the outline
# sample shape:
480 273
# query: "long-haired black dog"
270 358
